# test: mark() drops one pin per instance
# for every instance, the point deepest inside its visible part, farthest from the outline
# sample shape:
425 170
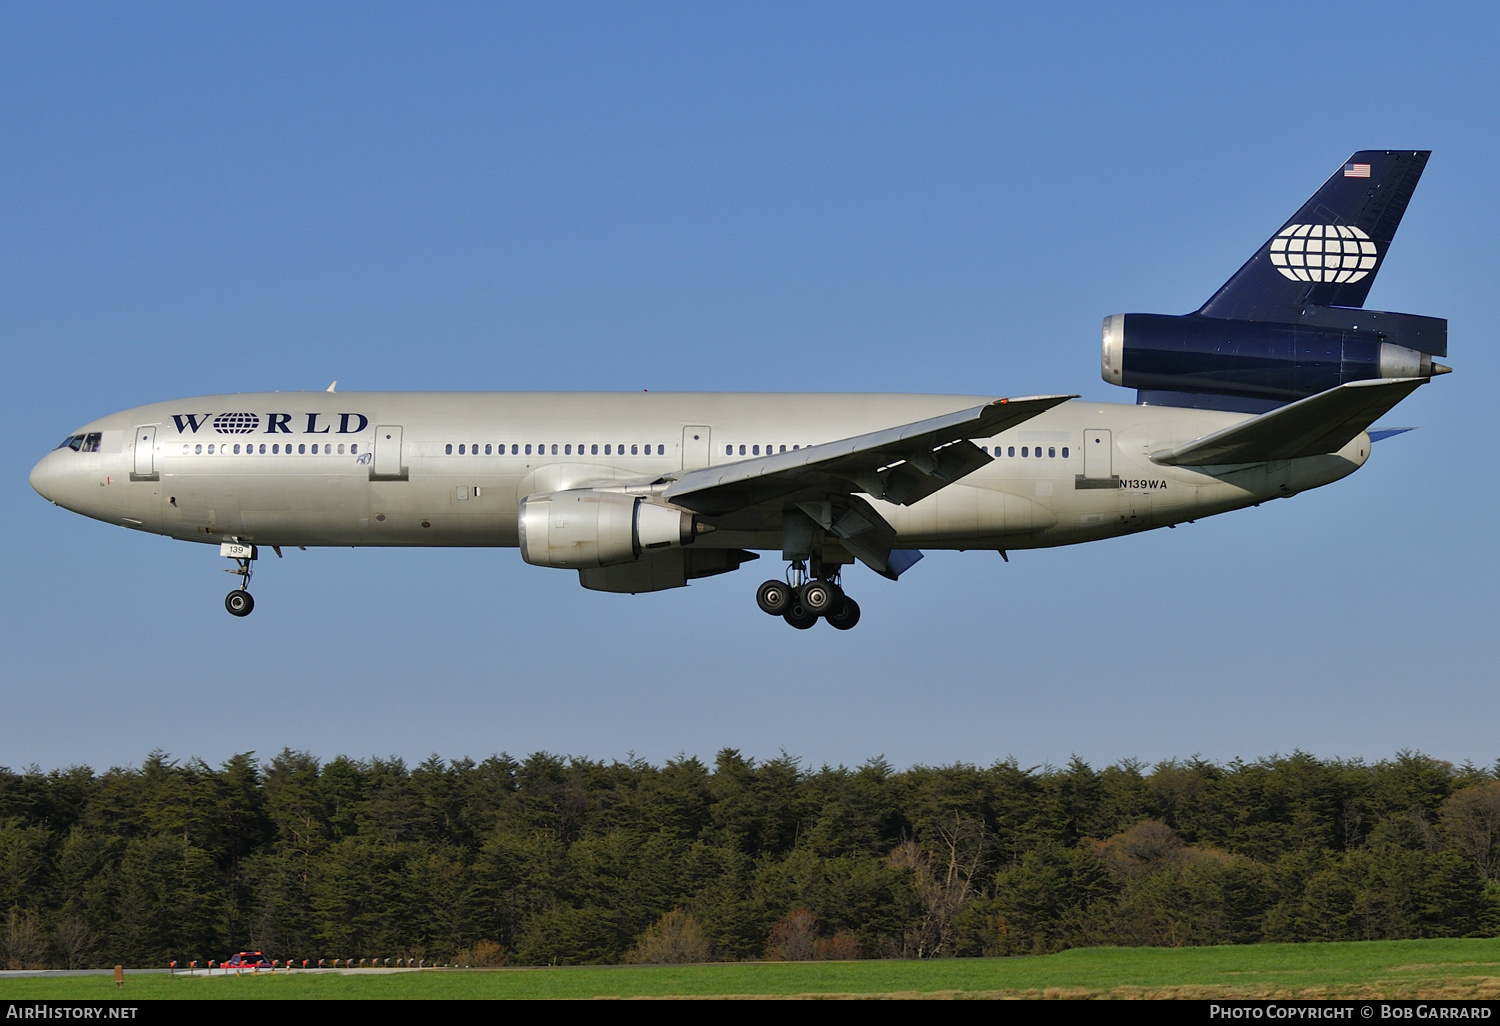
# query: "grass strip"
1468 968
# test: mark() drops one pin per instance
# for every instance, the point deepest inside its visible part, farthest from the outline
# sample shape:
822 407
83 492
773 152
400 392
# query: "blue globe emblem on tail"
236 423
1323 252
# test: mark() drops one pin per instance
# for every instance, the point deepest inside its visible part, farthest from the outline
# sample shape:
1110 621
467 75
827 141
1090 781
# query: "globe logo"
236 423
1323 252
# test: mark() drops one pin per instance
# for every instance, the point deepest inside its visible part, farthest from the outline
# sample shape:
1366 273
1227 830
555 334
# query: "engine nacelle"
1265 360
583 529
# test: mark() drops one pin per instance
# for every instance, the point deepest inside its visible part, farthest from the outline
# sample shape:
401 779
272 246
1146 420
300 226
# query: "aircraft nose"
44 477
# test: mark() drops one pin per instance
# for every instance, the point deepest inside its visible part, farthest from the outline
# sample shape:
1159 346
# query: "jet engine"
583 528
1279 362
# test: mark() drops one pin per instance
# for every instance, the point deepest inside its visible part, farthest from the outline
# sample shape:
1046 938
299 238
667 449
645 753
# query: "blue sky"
206 198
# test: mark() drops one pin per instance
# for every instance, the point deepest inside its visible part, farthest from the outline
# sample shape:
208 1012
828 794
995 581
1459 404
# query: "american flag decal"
1356 170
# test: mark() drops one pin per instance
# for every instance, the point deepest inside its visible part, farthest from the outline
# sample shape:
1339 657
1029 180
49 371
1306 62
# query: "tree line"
552 860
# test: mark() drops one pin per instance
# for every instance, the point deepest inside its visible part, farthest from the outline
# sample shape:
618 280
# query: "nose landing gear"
239 602
809 599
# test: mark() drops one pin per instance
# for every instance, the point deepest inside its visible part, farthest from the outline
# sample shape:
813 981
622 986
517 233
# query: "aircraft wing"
1319 424
902 464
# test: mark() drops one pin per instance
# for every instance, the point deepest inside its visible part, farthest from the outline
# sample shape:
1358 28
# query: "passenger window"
262 448
1025 451
755 450
528 448
554 448
276 449
1065 452
783 448
301 449
567 450
198 448
1051 452
728 450
635 450
486 448
742 450
606 449
353 449
236 448
210 449
594 449
341 449
514 449
661 450
186 448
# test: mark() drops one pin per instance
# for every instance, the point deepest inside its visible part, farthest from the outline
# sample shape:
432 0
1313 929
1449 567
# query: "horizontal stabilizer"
1319 424
1384 433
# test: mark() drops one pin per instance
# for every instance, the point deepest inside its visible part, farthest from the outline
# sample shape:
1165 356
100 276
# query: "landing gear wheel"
820 596
239 602
843 616
774 597
799 616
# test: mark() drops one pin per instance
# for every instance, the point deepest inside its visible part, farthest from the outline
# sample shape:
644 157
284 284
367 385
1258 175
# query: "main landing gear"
801 604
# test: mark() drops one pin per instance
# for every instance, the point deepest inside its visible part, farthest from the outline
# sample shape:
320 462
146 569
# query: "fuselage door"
1098 449
145 452
696 440
388 461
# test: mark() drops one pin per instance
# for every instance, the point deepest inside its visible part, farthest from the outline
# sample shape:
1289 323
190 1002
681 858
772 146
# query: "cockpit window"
81 443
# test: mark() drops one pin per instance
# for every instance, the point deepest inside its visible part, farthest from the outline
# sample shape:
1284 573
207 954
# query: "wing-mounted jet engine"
1289 324
586 529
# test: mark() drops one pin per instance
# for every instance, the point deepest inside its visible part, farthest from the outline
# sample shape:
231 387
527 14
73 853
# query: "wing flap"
1319 424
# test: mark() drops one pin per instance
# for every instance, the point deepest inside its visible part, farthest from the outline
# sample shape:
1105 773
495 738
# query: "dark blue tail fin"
1330 251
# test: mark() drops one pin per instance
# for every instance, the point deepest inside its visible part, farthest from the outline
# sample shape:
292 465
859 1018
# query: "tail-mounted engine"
584 529
1291 322
1280 362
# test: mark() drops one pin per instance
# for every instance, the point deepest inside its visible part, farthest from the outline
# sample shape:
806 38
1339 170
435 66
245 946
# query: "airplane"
1267 390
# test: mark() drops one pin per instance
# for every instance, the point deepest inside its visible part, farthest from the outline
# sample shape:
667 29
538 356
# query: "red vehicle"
247 960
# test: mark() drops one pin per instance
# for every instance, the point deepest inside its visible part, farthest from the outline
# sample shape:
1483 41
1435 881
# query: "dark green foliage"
559 860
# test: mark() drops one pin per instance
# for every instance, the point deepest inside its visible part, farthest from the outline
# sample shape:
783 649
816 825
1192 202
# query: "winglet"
334 386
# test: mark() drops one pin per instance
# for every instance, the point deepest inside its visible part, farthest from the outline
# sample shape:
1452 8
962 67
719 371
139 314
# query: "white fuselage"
308 468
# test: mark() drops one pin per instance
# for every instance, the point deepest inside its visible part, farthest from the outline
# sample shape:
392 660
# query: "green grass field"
1394 969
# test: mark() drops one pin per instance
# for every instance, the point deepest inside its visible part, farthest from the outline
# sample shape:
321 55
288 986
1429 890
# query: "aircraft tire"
774 597
239 603
799 616
843 616
819 596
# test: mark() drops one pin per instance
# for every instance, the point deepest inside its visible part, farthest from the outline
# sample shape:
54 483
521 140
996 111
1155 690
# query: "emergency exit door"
388 457
145 453
1098 455
696 440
